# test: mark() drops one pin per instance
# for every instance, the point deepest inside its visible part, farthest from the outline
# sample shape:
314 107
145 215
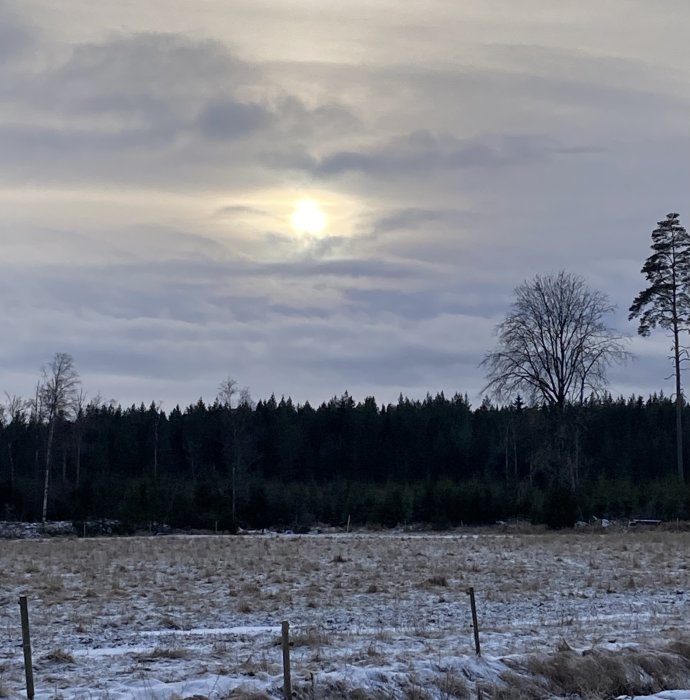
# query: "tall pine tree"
666 302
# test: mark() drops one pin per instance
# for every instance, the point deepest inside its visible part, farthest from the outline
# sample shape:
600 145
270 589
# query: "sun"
308 218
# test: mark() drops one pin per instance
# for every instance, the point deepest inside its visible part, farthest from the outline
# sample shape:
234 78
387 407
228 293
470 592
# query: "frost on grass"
384 615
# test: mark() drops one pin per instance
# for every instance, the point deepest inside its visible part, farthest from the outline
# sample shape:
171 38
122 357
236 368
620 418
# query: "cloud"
182 301
152 108
17 36
150 74
233 210
147 175
462 300
421 151
418 217
227 119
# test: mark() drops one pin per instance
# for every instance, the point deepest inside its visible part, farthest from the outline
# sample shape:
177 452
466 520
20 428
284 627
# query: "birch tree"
236 403
58 394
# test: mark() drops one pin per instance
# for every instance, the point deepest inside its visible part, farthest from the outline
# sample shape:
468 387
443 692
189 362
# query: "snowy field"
371 615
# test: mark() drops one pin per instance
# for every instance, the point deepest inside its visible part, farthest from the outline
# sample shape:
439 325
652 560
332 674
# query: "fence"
285 646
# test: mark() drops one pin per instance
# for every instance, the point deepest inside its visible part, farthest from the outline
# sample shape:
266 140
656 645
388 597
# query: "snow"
186 616
664 695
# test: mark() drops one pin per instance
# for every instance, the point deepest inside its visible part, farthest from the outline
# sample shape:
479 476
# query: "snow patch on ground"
179 617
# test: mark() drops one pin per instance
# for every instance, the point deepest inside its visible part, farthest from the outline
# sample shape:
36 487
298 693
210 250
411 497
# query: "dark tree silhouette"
666 301
554 345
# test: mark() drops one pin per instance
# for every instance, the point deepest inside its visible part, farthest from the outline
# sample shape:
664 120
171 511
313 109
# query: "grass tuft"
59 656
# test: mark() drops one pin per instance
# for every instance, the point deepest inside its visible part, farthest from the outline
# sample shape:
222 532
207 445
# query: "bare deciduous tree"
554 344
15 415
227 390
58 396
235 403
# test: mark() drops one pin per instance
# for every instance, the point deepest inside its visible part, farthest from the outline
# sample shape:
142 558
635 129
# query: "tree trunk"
515 458
155 449
236 462
46 481
679 404
234 492
506 445
77 475
11 462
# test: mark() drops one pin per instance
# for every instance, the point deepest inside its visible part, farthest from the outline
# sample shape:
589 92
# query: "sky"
152 156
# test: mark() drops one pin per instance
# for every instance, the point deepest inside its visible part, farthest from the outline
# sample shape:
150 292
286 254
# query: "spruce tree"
666 302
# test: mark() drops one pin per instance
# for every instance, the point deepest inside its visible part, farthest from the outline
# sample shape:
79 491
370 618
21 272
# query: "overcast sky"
152 153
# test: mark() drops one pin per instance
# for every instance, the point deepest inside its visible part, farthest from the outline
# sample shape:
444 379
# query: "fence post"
26 645
287 683
475 625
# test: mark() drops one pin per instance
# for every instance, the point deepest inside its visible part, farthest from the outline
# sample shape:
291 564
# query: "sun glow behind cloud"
308 218
277 224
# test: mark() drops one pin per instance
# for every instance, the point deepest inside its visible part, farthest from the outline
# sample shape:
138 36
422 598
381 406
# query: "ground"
372 615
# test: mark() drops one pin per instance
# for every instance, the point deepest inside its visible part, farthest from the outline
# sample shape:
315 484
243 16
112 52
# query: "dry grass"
310 637
174 653
451 685
58 656
246 694
367 600
597 674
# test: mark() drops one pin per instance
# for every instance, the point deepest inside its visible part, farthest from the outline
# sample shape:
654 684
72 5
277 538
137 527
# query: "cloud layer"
149 169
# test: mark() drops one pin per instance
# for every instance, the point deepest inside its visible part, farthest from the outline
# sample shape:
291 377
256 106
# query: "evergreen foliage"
666 301
437 461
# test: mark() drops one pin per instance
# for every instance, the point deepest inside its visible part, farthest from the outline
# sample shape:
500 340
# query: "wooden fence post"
287 682
475 625
26 644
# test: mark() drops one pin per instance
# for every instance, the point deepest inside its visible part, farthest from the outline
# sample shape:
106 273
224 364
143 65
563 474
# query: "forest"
438 461
567 452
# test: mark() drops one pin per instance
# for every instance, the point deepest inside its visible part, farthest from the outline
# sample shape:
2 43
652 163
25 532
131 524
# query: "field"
372 615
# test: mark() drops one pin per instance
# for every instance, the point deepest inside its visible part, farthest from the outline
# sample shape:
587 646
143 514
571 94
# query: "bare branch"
553 344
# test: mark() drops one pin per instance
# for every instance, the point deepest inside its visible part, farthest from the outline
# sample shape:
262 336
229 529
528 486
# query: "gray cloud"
17 36
148 175
428 303
227 119
417 217
421 151
151 108
240 209
144 74
211 316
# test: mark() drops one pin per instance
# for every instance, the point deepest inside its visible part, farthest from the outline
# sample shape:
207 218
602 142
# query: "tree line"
553 445
274 463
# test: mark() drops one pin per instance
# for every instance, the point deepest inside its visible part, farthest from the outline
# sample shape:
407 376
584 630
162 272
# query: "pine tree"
666 302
